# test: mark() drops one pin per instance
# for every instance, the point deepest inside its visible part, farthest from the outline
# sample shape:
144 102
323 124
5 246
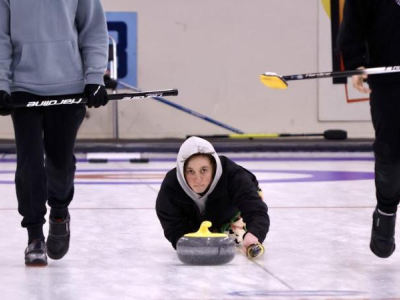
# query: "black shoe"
382 236
58 239
35 254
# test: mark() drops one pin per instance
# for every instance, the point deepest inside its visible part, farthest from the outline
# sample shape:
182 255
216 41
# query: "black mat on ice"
171 145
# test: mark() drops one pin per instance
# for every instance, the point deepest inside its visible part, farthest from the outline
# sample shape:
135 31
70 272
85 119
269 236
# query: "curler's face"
199 173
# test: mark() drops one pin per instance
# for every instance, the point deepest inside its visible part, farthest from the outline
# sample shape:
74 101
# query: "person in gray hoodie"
206 186
49 48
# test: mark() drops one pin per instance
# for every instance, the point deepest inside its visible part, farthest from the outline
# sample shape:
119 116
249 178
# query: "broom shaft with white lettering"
81 99
275 81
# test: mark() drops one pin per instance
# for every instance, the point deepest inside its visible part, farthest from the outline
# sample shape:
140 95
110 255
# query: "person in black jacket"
205 186
369 36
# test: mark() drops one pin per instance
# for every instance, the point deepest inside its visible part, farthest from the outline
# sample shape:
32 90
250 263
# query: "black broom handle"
43 101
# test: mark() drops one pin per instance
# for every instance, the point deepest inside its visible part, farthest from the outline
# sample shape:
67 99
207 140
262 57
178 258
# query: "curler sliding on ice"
275 81
205 186
80 99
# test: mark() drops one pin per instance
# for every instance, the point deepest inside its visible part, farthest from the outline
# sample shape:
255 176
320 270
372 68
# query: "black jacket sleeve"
172 211
352 37
254 211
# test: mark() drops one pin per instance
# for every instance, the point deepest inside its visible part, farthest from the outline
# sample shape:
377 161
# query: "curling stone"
205 248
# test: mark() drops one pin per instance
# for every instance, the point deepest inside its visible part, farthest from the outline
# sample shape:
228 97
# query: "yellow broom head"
273 81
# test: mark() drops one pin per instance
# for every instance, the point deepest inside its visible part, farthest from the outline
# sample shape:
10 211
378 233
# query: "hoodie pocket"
48 63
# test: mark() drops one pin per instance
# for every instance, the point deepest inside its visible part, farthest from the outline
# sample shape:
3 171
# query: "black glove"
5 103
96 94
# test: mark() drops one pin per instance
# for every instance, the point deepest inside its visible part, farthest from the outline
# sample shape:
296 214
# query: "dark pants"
45 139
385 111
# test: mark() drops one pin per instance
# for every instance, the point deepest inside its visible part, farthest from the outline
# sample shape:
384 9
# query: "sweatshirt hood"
191 146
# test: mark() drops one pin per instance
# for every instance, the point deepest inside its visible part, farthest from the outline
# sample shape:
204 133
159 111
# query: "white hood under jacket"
191 146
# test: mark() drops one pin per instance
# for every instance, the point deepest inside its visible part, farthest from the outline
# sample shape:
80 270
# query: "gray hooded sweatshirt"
52 47
192 146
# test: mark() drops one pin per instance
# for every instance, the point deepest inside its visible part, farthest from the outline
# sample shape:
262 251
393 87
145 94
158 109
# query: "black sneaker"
35 254
58 239
382 236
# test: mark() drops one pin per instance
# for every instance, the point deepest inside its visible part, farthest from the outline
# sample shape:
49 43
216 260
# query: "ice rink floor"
318 246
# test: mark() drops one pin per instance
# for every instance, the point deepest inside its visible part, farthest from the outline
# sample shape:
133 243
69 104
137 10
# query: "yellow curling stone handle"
203 231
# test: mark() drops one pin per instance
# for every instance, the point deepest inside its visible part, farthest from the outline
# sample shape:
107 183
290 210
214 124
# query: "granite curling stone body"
205 248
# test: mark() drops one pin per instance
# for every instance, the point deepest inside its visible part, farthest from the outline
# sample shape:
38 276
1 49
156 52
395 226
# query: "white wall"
213 51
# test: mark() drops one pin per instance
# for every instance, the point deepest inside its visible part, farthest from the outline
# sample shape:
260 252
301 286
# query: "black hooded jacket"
369 36
236 190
